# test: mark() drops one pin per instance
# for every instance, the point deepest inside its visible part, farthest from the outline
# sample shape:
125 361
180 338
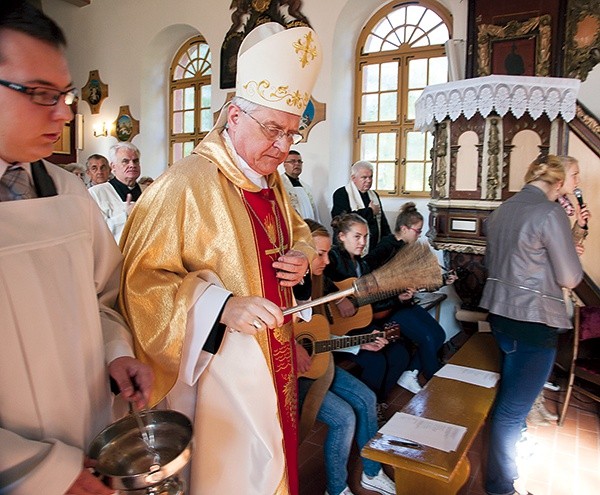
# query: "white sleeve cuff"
201 319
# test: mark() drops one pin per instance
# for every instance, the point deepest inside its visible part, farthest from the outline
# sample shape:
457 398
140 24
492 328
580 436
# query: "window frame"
401 125
196 82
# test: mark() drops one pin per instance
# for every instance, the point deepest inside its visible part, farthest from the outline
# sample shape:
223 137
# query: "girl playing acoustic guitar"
379 370
348 407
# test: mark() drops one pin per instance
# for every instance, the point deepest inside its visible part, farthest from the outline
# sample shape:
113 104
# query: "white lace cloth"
519 94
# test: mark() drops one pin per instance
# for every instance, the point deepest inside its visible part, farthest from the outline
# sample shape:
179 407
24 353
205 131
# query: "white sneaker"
551 386
379 483
345 491
408 380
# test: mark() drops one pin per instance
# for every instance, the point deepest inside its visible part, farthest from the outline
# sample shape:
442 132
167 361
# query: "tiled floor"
556 460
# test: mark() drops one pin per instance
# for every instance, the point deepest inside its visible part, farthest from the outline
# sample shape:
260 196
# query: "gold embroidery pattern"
282 359
283 334
282 364
308 51
291 398
260 5
293 99
271 229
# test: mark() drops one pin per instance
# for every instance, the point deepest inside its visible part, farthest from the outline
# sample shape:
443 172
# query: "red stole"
272 239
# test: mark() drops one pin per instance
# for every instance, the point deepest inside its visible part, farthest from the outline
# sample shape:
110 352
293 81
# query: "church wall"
131 43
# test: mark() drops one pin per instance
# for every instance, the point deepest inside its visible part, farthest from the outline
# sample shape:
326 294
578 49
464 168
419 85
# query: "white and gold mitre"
278 67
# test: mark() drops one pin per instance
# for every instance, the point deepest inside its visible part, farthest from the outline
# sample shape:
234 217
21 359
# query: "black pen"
405 443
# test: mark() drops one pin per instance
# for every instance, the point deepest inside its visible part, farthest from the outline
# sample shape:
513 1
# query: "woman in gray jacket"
530 256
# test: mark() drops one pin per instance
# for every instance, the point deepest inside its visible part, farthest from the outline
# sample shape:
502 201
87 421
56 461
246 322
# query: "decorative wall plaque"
313 114
125 127
94 91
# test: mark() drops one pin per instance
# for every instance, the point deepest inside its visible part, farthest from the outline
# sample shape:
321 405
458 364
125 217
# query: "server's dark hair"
21 16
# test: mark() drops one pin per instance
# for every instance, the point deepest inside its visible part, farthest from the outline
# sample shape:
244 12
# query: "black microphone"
579 195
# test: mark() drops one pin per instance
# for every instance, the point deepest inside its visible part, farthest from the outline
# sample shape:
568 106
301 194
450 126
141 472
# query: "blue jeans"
380 370
418 326
349 408
525 368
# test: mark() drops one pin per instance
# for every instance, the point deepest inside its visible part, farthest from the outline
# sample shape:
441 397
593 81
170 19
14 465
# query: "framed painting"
582 46
246 15
517 48
514 57
66 146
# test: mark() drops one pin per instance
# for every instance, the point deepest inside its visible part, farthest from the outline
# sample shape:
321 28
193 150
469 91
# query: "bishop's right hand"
249 314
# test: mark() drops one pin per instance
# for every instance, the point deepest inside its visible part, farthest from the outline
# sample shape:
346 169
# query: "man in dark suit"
358 197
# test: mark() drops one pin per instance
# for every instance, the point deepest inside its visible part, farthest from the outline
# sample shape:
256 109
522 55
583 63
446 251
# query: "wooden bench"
431 471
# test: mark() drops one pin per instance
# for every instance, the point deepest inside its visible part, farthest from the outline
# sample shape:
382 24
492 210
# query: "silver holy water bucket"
125 462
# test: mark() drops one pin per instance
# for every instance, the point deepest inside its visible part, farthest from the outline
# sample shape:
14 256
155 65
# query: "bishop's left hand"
291 268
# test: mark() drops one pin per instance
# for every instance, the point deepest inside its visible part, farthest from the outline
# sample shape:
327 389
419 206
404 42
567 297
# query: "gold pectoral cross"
277 250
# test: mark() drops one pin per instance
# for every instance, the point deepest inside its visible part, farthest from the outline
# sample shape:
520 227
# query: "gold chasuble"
204 223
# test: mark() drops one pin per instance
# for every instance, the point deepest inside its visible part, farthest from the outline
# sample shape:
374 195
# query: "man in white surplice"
301 195
117 196
59 275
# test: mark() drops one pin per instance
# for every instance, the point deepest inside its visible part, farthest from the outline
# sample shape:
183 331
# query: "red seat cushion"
589 323
590 365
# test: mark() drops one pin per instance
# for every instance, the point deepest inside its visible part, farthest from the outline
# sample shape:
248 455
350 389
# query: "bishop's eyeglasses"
276 133
47 97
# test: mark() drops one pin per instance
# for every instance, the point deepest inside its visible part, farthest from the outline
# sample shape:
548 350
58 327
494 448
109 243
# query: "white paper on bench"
474 376
436 434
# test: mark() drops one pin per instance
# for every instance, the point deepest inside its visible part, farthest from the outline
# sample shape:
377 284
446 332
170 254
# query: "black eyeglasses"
275 133
47 97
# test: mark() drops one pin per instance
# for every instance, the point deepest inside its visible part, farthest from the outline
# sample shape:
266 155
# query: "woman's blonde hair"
568 161
549 169
316 229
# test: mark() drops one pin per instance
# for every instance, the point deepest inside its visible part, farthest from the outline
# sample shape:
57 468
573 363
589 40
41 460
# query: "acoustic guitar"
339 325
314 335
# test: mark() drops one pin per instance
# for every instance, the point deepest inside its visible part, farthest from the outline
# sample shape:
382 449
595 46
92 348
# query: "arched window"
399 52
190 97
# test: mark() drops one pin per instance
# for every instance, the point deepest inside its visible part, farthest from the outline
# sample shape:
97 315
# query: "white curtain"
456 51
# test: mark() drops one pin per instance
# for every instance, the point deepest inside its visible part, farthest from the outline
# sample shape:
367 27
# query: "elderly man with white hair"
116 198
358 197
212 251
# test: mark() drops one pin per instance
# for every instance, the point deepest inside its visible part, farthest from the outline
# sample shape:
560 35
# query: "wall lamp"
100 131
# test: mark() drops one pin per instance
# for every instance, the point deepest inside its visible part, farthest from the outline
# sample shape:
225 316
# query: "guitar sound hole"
306 344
